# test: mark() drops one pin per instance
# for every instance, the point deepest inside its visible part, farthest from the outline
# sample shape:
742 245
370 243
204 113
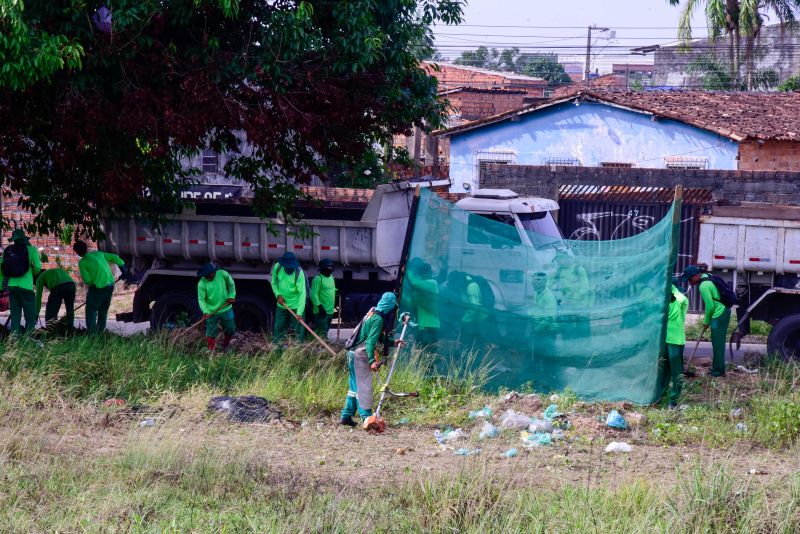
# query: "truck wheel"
174 308
784 339
252 314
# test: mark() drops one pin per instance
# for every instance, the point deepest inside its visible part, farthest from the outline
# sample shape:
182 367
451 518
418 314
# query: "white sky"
560 27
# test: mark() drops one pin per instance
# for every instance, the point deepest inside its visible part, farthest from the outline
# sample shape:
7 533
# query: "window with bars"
562 161
685 162
210 161
616 164
484 158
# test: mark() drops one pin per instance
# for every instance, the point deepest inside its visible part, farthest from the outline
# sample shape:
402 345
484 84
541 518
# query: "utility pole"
588 55
588 67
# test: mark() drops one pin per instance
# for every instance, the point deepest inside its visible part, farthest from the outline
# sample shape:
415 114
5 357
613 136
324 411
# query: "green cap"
18 234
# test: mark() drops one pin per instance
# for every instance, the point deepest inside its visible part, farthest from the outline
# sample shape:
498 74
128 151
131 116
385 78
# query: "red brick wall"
13 216
769 156
451 76
473 105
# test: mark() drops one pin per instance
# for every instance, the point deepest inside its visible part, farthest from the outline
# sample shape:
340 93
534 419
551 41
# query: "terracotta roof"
487 90
498 73
600 82
736 115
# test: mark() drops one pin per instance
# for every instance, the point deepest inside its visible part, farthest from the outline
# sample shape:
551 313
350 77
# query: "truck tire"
174 308
784 339
253 314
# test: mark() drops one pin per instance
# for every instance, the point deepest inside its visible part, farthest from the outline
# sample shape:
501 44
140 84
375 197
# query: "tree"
737 19
544 65
715 76
791 84
308 84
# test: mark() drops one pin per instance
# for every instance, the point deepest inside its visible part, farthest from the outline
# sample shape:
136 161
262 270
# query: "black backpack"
352 341
15 260
727 296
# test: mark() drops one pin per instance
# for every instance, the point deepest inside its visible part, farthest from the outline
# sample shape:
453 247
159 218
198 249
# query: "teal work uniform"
545 328
292 287
676 341
96 274
21 297
323 301
61 287
475 323
716 317
572 284
426 299
211 297
366 345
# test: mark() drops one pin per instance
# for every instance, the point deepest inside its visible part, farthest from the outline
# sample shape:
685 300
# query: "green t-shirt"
50 279
292 287
370 334
710 294
323 292
426 297
95 269
211 294
676 318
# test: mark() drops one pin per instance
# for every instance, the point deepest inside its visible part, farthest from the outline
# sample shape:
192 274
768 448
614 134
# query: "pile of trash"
245 409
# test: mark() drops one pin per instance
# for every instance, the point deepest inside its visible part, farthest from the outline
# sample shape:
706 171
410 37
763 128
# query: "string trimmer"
375 423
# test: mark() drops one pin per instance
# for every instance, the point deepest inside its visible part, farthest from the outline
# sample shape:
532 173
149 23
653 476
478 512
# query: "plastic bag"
541 425
621 446
488 430
466 452
551 412
515 420
537 439
615 420
511 453
483 412
448 435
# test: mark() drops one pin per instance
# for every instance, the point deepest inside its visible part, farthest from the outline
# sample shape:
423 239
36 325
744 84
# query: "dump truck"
366 241
756 249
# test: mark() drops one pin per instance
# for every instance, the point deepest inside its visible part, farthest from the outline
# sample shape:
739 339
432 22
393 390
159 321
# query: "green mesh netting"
556 314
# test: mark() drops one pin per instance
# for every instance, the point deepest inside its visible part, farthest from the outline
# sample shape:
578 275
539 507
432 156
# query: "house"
604 81
650 129
451 76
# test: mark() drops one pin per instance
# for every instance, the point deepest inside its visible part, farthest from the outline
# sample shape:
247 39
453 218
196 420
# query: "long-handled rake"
375 423
302 322
178 334
687 371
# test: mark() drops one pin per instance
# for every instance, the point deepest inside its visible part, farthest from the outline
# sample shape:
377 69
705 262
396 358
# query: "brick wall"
727 186
15 217
472 105
451 76
769 156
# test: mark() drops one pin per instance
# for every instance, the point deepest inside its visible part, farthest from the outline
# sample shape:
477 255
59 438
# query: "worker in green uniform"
288 283
20 264
676 340
363 359
96 273
425 297
216 293
575 296
475 324
323 298
716 318
61 287
543 312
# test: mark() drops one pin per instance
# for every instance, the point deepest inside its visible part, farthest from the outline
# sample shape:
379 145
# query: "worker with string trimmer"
363 357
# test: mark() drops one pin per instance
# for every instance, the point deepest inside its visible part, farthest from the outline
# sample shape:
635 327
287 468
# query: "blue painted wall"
591 132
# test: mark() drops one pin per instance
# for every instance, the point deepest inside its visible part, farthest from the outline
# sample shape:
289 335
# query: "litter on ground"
618 446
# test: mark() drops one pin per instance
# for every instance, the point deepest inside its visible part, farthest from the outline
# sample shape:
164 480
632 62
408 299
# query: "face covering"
289 271
326 272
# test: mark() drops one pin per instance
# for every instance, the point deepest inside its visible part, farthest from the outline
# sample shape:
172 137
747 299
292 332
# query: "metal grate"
616 164
565 161
210 161
685 162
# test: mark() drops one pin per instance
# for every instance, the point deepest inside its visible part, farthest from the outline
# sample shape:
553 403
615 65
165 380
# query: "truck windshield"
541 228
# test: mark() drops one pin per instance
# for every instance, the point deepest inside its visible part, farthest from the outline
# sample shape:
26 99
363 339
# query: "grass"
757 329
303 380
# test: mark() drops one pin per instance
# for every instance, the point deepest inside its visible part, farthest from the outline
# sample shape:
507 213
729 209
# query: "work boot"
347 421
226 342
211 342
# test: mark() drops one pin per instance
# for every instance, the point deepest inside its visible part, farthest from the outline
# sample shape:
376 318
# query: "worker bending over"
216 293
364 357
323 298
96 274
61 288
676 340
288 283
717 315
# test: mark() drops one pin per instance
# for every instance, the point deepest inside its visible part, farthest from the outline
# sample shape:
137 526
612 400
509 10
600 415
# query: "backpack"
727 296
351 342
15 261
487 295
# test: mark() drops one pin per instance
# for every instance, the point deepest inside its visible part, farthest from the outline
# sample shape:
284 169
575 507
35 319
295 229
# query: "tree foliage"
126 96
791 84
541 65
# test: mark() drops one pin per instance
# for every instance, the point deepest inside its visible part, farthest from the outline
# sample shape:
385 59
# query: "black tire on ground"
174 308
784 339
253 314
